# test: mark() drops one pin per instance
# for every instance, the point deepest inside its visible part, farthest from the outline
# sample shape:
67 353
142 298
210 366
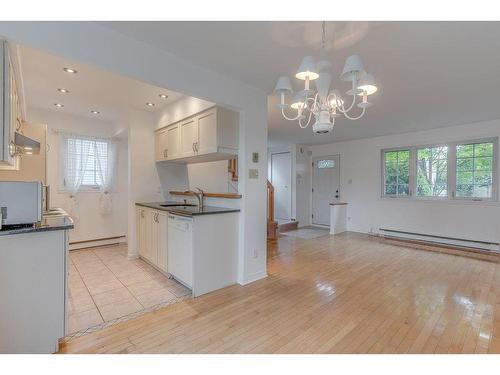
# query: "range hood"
25 146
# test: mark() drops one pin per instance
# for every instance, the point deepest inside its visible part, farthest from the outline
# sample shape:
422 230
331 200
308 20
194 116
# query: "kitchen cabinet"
10 109
167 143
152 236
207 136
189 137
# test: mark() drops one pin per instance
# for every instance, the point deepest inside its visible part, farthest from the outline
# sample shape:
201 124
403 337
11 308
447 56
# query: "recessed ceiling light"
58 105
64 91
95 112
149 104
163 96
70 70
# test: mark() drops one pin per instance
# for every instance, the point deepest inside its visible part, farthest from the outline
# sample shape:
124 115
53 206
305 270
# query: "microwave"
20 202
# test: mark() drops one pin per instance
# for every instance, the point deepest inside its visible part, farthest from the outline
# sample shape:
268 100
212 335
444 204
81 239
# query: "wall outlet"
255 253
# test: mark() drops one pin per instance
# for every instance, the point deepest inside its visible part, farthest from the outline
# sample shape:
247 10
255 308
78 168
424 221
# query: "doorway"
325 187
281 178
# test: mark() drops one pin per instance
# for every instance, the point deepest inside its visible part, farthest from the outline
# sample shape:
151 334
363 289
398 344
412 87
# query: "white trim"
451 173
252 278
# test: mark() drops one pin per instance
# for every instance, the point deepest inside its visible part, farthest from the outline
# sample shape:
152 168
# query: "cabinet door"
172 142
162 241
152 252
161 145
189 137
207 132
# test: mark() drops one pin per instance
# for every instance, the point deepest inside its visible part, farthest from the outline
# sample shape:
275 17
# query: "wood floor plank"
349 293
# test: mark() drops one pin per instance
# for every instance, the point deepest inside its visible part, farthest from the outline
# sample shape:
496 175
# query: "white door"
325 187
281 178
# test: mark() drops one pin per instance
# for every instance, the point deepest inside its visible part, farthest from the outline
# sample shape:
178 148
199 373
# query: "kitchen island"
33 269
197 246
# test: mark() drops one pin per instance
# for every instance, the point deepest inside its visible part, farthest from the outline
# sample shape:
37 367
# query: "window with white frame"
396 172
455 170
86 164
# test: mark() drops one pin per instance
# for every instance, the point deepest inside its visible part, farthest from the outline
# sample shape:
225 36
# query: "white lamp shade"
353 68
367 84
284 85
307 69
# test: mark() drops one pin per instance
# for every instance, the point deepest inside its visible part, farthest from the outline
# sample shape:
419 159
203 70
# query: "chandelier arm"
308 121
356 117
289 118
342 108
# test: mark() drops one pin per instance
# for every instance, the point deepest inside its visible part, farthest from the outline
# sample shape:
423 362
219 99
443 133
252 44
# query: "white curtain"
75 155
105 153
82 155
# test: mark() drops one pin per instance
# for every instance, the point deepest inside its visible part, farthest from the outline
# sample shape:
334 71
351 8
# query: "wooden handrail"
270 201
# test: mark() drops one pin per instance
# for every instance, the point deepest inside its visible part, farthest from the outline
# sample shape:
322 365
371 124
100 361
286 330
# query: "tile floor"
104 285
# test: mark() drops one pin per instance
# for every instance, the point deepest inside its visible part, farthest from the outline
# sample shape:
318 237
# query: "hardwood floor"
345 294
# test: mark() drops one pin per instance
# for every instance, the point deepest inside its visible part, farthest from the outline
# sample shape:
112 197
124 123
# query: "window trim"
382 164
451 172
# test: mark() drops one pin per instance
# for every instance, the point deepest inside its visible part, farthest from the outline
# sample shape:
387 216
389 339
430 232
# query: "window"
474 172
432 171
397 172
326 164
87 163
457 170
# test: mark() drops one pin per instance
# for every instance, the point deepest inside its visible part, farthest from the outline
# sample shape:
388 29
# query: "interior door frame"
291 178
312 184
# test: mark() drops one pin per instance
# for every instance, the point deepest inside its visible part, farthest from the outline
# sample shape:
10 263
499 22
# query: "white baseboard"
252 278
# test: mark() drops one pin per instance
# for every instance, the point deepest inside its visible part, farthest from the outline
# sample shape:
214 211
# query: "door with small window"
325 187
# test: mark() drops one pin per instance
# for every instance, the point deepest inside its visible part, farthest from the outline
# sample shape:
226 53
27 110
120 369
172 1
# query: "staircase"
272 225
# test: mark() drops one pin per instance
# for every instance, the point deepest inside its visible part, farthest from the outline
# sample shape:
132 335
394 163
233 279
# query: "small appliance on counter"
20 203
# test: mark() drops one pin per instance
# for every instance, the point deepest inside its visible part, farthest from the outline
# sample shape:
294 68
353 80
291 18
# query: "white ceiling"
91 88
430 74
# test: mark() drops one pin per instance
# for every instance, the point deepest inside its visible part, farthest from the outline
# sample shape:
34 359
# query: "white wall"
360 170
91 43
92 224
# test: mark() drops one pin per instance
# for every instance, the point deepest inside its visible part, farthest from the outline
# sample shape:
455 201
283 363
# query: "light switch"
253 173
255 157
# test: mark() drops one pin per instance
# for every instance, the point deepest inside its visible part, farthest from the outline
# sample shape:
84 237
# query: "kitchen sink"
178 205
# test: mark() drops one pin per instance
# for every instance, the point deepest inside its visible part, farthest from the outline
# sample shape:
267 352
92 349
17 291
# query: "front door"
326 187
281 178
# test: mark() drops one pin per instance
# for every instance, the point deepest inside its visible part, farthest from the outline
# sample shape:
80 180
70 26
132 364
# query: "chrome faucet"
200 195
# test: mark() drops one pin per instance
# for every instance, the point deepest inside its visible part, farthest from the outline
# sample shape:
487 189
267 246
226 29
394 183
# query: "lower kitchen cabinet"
152 236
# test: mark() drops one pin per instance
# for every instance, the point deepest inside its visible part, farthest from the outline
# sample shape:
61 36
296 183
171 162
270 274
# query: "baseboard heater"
441 240
96 242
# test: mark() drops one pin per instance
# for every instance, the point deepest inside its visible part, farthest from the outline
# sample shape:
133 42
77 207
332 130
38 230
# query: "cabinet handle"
165 153
196 146
194 150
142 214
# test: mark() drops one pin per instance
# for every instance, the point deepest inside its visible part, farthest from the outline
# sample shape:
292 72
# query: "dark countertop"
48 223
188 210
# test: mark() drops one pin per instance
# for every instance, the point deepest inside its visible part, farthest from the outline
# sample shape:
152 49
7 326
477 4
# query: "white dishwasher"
180 249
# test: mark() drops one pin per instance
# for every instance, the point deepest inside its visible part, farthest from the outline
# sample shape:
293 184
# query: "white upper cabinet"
10 109
189 137
206 136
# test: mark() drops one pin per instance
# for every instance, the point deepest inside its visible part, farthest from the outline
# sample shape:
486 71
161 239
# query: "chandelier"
325 103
